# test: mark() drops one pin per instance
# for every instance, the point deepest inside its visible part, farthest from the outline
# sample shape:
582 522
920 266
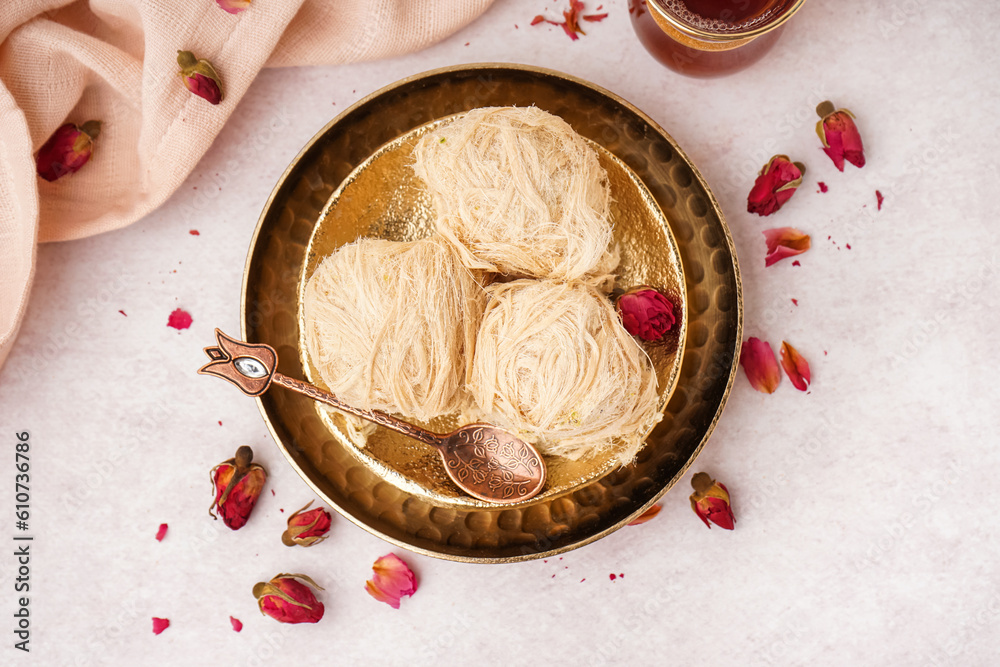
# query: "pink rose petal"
233 6
161 533
160 624
237 625
784 242
393 579
760 366
795 365
179 319
648 515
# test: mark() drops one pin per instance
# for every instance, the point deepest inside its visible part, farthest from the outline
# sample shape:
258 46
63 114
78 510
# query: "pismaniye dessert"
502 315
554 365
391 326
518 192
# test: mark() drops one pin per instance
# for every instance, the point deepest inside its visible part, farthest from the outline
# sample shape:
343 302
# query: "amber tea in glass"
710 37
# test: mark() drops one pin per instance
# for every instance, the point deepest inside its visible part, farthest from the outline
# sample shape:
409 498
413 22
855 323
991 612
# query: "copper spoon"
486 462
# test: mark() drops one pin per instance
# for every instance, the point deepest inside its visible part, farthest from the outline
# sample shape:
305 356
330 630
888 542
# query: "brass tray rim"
713 203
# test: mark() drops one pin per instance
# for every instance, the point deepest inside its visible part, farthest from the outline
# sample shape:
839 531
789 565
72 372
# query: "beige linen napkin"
116 61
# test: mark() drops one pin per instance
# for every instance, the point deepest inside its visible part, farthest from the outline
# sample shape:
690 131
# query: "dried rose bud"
234 6
393 579
307 528
286 600
238 483
200 77
646 313
67 150
775 184
840 136
710 501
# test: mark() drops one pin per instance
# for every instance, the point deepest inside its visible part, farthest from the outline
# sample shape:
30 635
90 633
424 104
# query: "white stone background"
865 532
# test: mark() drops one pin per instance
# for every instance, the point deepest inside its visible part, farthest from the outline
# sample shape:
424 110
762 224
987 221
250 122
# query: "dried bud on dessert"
710 501
646 313
68 149
393 579
307 528
776 183
200 77
238 483
233 6
840 136
286 600
784 242
758 362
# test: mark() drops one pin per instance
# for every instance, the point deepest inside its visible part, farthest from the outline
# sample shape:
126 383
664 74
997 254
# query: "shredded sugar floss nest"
391 326
485 296
518 192
554 365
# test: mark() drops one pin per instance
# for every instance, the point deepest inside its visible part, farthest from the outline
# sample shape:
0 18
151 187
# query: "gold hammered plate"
383 198
424 519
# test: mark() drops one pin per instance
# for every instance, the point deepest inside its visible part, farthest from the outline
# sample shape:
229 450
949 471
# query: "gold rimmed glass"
708 38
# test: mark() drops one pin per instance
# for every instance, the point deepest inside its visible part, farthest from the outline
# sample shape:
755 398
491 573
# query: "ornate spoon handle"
398 425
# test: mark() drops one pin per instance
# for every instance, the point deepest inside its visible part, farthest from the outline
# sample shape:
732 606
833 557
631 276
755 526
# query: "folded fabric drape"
116 61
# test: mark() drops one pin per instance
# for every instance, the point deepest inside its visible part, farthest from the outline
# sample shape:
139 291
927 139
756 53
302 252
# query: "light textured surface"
864 526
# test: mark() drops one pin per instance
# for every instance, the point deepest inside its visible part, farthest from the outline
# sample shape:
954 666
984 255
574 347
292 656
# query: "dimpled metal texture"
550 525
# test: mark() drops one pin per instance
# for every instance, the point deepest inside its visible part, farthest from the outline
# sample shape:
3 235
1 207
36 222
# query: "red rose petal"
795 301
648 515
161 533
784 242
612 577
879 198
795 365
822 186
760 366
538 19
796 263
237 625
122 312
160 624
179 319
194 232
595 17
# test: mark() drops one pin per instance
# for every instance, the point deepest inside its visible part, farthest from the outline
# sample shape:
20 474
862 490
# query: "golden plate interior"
556 524
383 198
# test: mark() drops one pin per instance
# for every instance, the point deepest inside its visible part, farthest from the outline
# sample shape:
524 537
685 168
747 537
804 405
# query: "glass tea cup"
708 38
